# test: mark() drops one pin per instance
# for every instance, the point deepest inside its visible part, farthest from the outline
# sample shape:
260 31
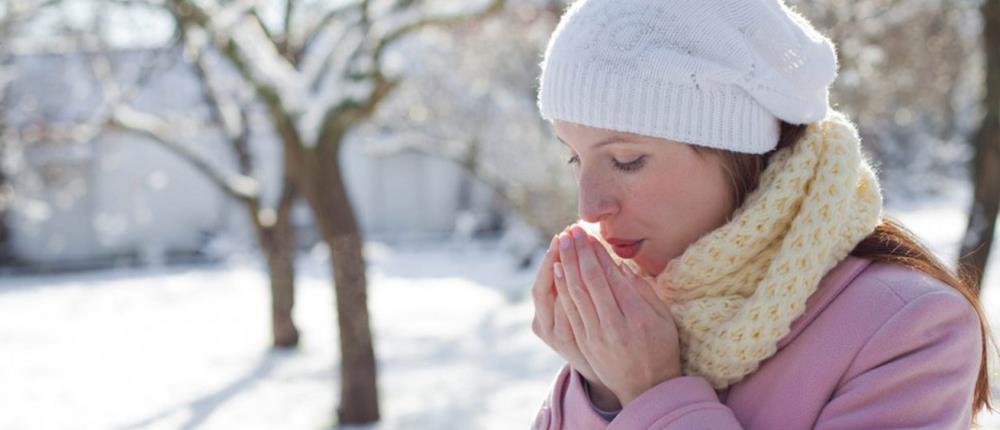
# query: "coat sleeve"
568 406
681 403
918 370
686 402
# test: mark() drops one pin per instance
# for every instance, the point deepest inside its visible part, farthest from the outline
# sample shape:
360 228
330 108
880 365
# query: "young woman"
732 268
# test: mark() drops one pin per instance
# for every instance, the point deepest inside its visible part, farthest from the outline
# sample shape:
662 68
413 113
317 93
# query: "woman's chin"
650 267
643 264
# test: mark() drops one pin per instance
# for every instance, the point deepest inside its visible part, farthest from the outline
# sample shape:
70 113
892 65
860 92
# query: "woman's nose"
596 200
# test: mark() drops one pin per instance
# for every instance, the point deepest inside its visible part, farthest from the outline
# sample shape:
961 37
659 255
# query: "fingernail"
564 241
557 268
552 244
578 234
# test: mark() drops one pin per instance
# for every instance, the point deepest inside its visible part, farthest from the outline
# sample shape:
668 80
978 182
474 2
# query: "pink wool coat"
880 346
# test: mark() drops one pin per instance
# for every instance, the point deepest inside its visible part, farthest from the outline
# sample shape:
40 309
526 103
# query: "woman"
732 268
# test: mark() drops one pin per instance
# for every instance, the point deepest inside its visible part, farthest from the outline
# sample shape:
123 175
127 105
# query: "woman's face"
652 197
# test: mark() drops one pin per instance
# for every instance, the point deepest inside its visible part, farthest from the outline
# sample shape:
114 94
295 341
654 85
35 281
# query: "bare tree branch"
452 19
330 17
238 186
245 43
225 109
115 112
285 46
365 17
18 11
231 114
276 44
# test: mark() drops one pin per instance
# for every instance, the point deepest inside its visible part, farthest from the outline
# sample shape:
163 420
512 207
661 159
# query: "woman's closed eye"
630 166
625 166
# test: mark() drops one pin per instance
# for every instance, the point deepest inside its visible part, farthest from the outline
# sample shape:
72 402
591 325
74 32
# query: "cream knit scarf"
735 292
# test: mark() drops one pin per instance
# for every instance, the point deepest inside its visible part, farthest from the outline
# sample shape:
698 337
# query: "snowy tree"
320 75
981 226
13 14
472 100
231 111
5 189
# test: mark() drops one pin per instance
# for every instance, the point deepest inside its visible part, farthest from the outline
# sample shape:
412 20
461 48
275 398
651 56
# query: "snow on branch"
344 12
239 186
340 66
227 109
335 86
267 65
336 40
239 36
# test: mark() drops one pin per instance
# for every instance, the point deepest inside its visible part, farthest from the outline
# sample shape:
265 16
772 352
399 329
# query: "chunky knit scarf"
735 291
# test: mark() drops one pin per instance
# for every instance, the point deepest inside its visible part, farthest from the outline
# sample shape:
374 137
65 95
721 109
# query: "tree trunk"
6 190
5 203
334 216
276 237
979 234
358 389
279 249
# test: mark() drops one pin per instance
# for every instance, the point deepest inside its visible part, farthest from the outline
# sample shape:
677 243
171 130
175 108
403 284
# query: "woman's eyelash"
630 166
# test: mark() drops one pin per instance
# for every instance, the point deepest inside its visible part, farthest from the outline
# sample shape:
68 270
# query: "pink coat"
879 346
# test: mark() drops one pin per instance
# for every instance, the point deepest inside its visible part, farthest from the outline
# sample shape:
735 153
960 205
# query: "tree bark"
358 389
278 243
981 225
323 186
5 197
6 189
277 240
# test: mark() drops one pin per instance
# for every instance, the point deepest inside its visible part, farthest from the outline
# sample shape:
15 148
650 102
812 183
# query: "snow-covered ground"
187 347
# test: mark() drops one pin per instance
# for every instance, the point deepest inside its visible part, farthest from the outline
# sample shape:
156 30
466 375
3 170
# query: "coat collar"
829 287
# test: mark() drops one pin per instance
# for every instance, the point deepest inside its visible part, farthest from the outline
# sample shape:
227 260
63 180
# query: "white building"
120 195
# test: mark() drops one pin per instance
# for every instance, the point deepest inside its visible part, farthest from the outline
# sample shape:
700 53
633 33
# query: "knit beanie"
714 73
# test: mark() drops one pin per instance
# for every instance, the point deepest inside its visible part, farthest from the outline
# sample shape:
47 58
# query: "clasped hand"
604 319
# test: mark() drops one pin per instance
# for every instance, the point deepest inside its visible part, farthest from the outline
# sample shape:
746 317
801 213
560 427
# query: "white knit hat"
715 73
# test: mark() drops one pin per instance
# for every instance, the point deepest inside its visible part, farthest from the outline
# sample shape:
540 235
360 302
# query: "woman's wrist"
602 397
627 398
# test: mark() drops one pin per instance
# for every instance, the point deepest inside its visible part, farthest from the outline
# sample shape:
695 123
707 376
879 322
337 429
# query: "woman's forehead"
578 135
571 133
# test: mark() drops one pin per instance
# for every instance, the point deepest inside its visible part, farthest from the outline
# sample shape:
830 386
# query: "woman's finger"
617 278
542 291
576 286
567 304
561 328
596 276
644 289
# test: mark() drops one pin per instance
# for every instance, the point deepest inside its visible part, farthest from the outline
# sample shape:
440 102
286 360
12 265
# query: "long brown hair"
891 242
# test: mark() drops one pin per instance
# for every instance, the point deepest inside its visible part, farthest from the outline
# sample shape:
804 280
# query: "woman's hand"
550 323
623 329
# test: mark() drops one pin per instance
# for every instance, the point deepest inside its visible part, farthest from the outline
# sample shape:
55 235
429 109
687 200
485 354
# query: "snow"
187 347
268 66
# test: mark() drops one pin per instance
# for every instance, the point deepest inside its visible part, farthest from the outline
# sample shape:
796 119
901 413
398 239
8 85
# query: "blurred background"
305 214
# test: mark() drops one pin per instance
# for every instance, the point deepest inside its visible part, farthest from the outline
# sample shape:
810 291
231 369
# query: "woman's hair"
891 242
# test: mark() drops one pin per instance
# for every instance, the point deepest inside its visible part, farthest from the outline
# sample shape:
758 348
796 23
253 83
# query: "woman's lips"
626 249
